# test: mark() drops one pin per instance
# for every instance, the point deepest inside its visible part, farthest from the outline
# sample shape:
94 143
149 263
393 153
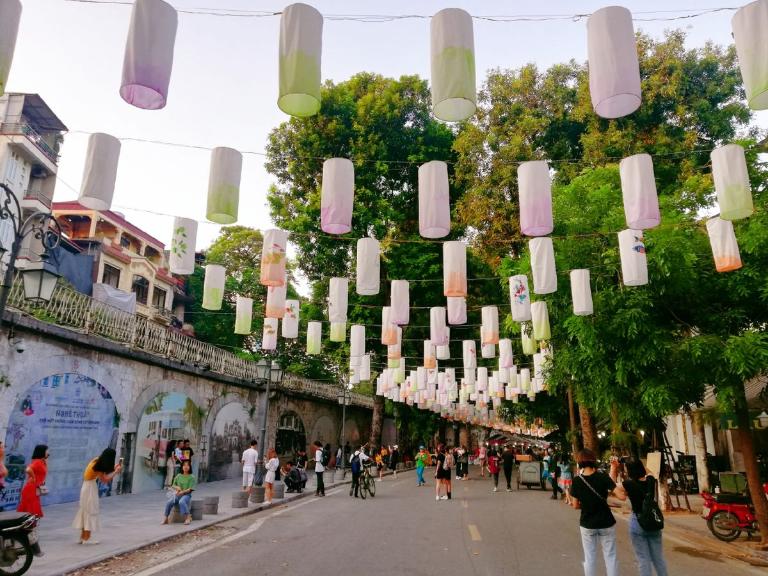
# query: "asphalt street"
403 530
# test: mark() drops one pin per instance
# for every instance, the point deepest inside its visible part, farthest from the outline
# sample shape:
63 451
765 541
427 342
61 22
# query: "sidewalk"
132 521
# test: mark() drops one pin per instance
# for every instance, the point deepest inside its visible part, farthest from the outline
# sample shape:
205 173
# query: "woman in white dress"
269 480
87 519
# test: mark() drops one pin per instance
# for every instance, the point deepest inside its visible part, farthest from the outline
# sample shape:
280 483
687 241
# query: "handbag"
42 490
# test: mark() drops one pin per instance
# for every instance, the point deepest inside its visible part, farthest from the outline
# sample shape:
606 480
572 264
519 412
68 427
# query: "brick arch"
155 388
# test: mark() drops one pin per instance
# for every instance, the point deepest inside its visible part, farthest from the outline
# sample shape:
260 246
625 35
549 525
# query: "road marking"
466 488
464 504
474 532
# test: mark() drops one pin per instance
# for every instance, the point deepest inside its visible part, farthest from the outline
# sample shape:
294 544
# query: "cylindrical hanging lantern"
365 368
470 354
725 249
224 185
354 376
490 315
213 286
275 302
368 267
338 331
452 51
543 265
301 46
614 69
538 372
182 255
520 298
337 300
149 54
273 257
454 269
100 172
488 351
388 329
444 352
581 293
398 375
535 187
269 338
357 341
457 311
314 337
399 310
394 351
529 344
634 267
338 196
243 314
469 377
291 319
506 359
638 188
434 200
421 377
482 379
430 361
450 379
734 193
525 379
749 25
10 16
432 376
438 334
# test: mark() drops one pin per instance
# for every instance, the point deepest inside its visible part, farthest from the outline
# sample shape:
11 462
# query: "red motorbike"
728 515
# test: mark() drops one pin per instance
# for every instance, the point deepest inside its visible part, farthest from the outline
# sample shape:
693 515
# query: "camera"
19 345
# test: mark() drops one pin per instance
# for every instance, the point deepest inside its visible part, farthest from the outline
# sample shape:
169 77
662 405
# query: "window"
124 242
140 288
158 298
111 276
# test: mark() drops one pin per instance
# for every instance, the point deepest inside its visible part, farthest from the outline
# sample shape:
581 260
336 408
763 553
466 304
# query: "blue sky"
224 86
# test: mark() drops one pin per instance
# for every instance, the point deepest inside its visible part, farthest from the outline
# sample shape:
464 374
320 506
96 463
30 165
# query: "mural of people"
232 433
290 436
73 415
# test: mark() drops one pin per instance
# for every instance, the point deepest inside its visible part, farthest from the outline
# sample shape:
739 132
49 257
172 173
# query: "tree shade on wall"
100 171
273 257
452 53
520 298
290 326
725 249
338 196
638 187
224 185
454 269
543 265
750 24
457 310
10 16
581 292
535 187
301 45
368 267
213 286
243 315
434 200
149 54
634 267
734 193
181 260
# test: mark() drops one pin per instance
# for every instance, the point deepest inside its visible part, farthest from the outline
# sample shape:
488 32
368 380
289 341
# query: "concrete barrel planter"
176 516
279 490
257 496
240 499
339 475
211 505
196 509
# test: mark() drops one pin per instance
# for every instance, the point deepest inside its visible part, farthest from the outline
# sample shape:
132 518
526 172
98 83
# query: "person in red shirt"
493 467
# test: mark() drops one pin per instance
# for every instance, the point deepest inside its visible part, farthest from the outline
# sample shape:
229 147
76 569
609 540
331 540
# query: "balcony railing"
32 136
161 312
39 196
74 310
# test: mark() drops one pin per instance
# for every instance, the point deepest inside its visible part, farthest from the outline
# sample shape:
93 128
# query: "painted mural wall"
232 433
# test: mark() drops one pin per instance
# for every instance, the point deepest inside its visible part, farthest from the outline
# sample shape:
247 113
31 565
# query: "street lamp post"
270 372
39 277
343 399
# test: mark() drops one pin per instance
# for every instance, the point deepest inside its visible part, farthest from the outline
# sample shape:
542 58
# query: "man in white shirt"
250 458
319 468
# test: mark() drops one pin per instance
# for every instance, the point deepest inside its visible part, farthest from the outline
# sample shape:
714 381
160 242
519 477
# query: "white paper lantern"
488 351
457 311
520 298
421 377
365 368
314 337
394 351
275 307
535 187
337 300
543 265
181 260
291 319
100 172
490 331
388 329
450 379
438 334
452 51
357 341
273 258
455 269
269 338
399 310
10 16
444 352
503 372
614 69
634 267
149 54
338 332
429 355
368 266
581 292
538 371
482 379
470 354
529 344
540 321
338 196
224 185
734 192
749 25
525 379
243 314
432 376
398 376
725 249
213 286
434 200
506 359
301 46
470 377
354 376
638 188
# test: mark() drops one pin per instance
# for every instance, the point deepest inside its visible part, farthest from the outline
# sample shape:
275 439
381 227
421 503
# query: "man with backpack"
356 462
320 463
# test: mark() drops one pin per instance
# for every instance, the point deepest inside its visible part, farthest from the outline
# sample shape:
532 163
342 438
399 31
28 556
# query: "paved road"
403 530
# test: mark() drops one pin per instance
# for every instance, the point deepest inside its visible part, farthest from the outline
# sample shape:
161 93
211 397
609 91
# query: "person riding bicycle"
358 460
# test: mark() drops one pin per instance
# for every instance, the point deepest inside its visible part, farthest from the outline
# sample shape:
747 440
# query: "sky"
224 85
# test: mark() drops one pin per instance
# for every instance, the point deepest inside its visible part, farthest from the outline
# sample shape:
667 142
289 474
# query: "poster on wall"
76 418
233 431
168 419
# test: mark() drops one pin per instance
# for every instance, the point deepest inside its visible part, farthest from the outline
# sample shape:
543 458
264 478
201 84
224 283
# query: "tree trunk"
588 430
574 427
665 500
750 463
700 449
376 423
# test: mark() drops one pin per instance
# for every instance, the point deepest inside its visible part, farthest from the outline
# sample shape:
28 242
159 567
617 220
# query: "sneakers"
379 480
495 489
268 502
509 489
437 497
90 542
443 497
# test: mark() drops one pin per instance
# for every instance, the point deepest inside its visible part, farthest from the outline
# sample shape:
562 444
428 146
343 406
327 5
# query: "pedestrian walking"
87 518
589 494
464 459
249 460
553 468
647 544
319 468
381 462
442 472
183 486
357 461
272 465
170 464
493 468
483 458
340 458
508 461
35 484
421 463
565 480
394 460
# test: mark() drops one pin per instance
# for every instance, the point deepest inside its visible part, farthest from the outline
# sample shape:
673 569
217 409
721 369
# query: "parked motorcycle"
18 542
728 515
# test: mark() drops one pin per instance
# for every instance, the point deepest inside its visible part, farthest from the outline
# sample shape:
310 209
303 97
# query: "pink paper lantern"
438 332
638 187
273 257
434 200
400 311
455 269
725 249
535 187
457 310
338 196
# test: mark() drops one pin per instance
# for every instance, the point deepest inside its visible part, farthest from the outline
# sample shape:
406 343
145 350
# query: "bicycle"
367 482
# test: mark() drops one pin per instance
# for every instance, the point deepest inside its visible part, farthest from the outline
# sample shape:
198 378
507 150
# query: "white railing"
72 309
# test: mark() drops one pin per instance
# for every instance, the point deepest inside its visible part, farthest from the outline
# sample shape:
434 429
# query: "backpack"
448 462
355 463
651 518
326 457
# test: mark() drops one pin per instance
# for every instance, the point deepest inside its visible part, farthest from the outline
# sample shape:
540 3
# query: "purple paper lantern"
338 196
535 187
